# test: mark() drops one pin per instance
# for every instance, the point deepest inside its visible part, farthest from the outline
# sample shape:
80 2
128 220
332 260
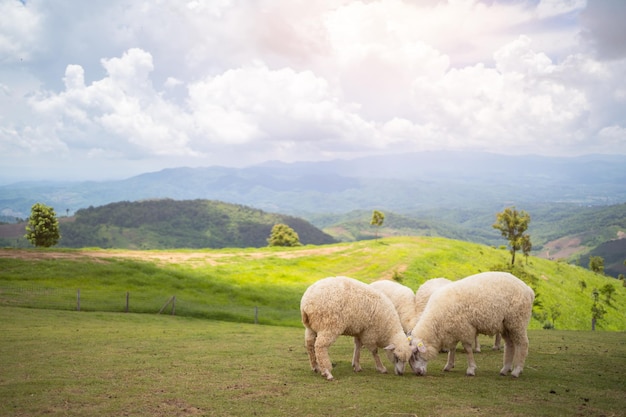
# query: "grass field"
103 362
229 284
63 363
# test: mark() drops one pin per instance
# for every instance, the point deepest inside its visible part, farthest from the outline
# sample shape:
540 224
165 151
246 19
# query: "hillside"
221 283
166 223
558 231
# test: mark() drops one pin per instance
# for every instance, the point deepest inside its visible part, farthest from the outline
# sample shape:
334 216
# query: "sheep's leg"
322 343
379 364
476 344
519 356
450 363
356 357
509 353
497 342
471 363
309 343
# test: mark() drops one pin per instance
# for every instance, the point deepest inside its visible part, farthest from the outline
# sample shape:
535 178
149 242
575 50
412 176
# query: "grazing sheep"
403 300
337 306
422 295
487 303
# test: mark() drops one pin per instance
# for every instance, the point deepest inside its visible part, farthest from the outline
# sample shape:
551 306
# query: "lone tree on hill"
596 264
378 218
512 224
597 309
43 226
283 235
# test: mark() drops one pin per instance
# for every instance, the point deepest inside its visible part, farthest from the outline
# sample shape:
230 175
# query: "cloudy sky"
109 88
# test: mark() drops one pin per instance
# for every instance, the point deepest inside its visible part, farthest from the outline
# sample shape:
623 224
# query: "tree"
555 313
378 218
43 226
283 235
527 246
512 224
596 264
597 309
608 290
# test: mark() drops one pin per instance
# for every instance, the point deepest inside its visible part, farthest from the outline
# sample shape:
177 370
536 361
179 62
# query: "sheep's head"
418 359
400 353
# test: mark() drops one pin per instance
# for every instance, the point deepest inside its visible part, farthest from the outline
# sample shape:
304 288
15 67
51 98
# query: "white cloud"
19 31
235 82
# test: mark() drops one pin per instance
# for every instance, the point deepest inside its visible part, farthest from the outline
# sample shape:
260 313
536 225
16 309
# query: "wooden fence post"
78 300
256 315
170 301
127 300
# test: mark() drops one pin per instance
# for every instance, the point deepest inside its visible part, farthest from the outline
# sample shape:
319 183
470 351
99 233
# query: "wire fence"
41 297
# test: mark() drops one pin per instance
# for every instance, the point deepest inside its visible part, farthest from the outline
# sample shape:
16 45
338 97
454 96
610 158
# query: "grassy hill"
167 223
558 231
229 283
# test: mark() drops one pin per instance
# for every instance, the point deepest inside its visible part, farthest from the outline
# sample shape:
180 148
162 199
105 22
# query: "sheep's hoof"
470 372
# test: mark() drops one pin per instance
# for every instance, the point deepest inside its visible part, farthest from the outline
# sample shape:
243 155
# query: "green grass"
228 284
63 363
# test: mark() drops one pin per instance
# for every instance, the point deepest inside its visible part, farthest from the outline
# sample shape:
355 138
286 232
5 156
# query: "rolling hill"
166 224
221 283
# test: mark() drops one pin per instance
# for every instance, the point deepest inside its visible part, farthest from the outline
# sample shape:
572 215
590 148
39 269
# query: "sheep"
488 303
337 306
422 296
403 300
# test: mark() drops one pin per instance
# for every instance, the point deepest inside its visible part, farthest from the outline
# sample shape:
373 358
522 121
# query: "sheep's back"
488 301
344 304
402 298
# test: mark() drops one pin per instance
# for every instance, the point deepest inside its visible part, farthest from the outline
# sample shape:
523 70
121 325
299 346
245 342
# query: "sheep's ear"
390 347
421 347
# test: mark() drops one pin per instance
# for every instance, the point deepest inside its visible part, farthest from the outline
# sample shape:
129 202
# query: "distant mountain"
167 224
404 184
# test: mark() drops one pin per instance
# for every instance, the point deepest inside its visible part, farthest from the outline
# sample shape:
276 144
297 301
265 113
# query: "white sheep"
422 295
337 306
403 299
487 303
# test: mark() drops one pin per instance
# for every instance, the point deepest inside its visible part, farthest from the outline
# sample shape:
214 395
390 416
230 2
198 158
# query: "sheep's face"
418 361
397 357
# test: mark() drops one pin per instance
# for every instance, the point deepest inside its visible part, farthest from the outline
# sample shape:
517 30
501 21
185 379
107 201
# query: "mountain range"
453 194
407 184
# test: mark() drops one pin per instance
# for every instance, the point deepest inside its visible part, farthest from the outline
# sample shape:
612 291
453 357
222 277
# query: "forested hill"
166 223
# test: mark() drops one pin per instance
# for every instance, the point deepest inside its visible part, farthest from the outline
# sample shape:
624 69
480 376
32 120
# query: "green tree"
608 290
378 218
43 226
596 264
527 246
512 224
283 235
555 313
597 309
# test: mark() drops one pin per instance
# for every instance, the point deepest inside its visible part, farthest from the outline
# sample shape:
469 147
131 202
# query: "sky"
108 89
